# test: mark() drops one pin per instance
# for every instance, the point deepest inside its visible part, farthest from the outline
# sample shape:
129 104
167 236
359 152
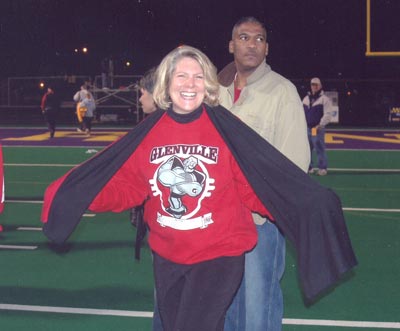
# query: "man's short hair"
248 19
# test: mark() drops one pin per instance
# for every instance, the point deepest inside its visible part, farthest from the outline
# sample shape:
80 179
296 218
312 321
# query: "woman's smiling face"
187 87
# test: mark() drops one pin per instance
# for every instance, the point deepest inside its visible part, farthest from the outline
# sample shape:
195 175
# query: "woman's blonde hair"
168 66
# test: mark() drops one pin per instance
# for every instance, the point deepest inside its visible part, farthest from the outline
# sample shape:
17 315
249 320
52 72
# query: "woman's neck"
185 118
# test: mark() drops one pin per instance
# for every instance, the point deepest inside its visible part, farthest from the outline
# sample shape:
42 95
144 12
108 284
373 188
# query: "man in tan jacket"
270 105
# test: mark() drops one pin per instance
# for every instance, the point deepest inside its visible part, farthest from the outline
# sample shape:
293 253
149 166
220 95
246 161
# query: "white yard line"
18 247
363 170
84 311
383 210
73 165
380 210
28 228
145 314
352 324
23 201
38 165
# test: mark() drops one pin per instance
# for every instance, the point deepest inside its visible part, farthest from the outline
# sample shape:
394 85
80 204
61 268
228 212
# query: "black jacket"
309 215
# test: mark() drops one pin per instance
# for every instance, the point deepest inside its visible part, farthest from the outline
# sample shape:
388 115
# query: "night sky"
306 38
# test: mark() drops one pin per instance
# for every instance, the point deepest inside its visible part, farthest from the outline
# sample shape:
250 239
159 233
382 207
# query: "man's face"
315 88
249 46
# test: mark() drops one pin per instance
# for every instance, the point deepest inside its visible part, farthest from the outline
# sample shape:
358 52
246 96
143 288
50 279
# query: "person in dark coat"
49 106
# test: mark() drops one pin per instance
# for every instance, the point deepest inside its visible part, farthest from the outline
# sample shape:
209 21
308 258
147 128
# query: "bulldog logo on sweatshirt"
182 182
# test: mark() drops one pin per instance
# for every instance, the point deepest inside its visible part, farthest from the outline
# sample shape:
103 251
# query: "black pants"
196 297
88 122
50 116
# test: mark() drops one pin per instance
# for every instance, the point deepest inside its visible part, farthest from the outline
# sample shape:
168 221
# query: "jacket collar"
227 75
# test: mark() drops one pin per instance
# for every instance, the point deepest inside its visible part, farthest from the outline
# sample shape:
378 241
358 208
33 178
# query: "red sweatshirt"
199 202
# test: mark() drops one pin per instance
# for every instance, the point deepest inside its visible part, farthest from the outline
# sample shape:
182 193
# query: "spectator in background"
49 106
146 88
78 98
270 105
90 106
81 94
318 110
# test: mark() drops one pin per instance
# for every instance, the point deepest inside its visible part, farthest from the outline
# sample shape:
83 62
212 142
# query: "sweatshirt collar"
185 118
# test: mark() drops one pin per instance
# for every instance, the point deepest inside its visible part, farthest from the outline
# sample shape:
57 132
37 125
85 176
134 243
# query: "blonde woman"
198 168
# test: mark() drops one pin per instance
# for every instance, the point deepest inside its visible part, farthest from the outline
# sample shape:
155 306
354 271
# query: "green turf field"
94 283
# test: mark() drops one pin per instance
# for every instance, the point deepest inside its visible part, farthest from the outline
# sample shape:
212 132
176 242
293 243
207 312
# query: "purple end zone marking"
350 139
74 139
364 139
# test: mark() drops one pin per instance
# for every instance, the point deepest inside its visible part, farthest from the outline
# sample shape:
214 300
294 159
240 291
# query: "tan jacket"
271 106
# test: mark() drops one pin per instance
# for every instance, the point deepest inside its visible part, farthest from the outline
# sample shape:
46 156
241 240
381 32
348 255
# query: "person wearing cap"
318 111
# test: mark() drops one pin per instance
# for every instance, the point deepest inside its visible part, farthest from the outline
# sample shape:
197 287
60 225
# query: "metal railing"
361 102
21 98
